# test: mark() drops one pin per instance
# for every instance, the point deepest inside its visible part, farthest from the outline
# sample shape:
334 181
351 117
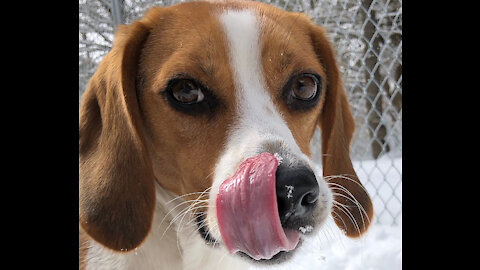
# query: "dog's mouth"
280 257
247 213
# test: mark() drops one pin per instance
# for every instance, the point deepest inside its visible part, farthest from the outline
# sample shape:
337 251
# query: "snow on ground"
379 249
383 180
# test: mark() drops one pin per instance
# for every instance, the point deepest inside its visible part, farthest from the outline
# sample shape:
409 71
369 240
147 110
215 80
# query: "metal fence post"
117 12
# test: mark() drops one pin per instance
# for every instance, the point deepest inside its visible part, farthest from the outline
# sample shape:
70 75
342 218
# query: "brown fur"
116 190
337 126
130 137
185 147
287 50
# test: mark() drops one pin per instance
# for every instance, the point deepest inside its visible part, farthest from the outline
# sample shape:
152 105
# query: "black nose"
297 193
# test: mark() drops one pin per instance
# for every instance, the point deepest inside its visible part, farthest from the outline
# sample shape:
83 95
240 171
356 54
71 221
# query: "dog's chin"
278 258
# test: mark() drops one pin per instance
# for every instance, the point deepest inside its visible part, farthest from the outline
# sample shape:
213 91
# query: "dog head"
220 98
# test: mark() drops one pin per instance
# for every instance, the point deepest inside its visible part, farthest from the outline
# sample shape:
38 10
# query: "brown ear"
352 210
116 189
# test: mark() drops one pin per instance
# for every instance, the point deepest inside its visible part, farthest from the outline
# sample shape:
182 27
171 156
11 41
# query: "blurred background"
367 36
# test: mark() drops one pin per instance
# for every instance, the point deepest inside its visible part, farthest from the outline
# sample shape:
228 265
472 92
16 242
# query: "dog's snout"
297 193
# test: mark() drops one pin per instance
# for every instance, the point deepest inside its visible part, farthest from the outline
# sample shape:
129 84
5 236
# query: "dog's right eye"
186 91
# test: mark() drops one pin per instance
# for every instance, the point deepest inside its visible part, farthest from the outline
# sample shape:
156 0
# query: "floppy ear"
116 189
352 210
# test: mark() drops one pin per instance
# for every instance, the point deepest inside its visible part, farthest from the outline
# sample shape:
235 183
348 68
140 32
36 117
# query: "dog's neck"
164 248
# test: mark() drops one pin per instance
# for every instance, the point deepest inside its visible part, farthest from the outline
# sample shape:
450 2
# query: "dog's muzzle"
261 207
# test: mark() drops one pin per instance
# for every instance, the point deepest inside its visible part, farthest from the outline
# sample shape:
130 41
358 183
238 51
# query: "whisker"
180 204
356 202
189 194
194 206
197 216
201 224
166 215
183 211
188 201
361 214
208 233
336 236
352 199
345 177
349 215
338 217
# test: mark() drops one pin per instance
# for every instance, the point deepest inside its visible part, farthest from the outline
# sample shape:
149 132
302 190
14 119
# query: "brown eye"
305 87
186 91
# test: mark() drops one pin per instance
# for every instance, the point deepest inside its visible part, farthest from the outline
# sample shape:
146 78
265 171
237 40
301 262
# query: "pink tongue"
247 211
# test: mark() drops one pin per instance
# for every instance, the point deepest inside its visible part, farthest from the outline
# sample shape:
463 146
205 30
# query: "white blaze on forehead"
255 108
242 32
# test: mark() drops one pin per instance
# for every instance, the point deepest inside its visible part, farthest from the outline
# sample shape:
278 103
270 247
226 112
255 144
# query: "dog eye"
305 86
186 91
189 96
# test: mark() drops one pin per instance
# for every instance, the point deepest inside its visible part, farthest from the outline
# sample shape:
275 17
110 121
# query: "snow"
289 191
380 248
308 228
382 179
278 157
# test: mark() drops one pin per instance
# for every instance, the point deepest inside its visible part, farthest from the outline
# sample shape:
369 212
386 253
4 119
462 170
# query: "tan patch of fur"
185 147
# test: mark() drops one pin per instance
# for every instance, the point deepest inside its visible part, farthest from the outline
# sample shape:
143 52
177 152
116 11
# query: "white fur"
258 121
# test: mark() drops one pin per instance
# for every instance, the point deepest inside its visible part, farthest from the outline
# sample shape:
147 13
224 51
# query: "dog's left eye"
304 87
302 91
186 91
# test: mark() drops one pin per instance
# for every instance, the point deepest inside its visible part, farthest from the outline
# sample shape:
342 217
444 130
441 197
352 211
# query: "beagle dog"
194 138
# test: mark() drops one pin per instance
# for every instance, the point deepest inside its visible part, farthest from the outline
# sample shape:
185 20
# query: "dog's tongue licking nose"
247 211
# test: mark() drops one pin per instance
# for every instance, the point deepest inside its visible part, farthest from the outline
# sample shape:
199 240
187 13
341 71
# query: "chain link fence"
367 35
